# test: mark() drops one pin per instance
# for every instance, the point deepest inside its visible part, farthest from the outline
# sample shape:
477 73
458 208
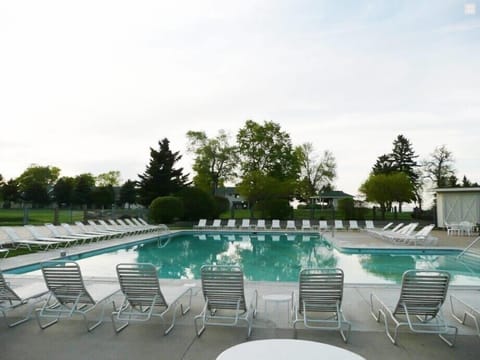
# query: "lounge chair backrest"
322 224
261 223
423 292
217 223
369 224
6 293
139 283
320 289
231 223
425 231
291 224
202 223
222 287
306 223
53 230
12 234
245 223
64 280
338 224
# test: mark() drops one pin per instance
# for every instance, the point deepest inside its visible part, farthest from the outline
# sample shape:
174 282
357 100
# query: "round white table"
283 349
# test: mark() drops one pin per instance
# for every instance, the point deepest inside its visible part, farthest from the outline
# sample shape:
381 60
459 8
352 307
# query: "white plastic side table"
278 299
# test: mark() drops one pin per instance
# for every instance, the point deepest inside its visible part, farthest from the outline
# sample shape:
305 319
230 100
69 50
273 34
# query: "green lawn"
15 217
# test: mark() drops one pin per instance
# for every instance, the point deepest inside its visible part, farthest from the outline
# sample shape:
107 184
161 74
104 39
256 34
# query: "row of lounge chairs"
306 225
51 236
405 234
316 305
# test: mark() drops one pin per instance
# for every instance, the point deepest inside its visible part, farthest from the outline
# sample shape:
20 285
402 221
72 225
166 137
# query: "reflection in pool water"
272 257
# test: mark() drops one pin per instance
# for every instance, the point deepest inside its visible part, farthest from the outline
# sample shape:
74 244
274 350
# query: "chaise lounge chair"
225 299
419 306
260 225
306 226
468 311
339 225
17 242
320 292
353 225
291 225
66 241
13 296
68 294
143 298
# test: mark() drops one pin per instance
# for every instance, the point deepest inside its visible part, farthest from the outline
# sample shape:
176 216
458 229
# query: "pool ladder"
468 249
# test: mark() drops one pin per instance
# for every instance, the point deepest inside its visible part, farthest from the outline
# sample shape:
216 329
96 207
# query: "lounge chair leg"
202 329
44 326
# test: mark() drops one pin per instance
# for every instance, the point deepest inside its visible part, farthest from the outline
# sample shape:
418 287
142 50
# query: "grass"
16 217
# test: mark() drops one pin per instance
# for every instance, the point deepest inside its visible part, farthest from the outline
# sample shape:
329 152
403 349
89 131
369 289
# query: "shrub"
165 209
222 205
197 204
347 207
275 209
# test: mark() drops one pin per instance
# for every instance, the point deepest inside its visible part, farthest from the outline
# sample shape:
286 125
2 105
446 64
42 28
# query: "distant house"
230 193
458 204
330 198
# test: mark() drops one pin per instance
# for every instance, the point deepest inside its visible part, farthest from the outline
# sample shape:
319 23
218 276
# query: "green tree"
316 172
165 209
383 165
404 160
109 178
84 185
103 196
197 203
161 178
439 168
36 182
268 150
215 159
11 193
128 193
266 157
63 191
384 189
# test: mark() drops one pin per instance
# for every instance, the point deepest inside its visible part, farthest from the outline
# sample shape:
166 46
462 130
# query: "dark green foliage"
347 207
275 209
128 193
222 204
197 204
161 178
63 191
103 196
84 185
384 165
165 209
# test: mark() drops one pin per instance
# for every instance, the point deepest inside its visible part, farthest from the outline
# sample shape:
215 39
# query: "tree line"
268 170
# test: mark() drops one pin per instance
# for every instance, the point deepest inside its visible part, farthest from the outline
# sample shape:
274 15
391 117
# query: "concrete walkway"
69 340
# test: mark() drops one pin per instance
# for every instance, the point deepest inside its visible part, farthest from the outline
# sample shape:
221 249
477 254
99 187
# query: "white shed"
458 204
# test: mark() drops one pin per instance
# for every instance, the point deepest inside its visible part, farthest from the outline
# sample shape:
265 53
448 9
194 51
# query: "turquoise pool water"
271 257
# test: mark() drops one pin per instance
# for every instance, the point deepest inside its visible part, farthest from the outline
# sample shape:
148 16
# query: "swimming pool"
270 257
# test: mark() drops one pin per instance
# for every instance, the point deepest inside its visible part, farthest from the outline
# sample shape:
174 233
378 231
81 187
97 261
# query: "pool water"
273 257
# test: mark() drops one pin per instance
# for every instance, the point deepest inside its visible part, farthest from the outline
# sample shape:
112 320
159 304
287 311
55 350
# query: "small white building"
458 204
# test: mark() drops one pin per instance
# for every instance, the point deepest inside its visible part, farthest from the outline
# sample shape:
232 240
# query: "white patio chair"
143 298
69 296
419 306
225 298
275 225
13 295
320 293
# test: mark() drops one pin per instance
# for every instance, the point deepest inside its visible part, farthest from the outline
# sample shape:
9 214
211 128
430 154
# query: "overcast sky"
90 86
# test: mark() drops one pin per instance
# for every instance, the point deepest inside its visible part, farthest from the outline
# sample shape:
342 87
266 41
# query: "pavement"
70 340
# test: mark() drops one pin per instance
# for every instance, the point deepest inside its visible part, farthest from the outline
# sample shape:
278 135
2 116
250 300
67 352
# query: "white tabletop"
283 349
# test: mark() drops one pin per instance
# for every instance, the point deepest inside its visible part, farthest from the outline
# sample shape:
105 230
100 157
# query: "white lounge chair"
143 298
402 233
419 306
369 225
306 226
260 225
13 295
216 225
246 224
339 225
291 225
353 225
275 225
202 224
461 311
16 241
104 227
66 241
320 292
421 237
105 233
70 231
225 298
322 225
68 295
231 224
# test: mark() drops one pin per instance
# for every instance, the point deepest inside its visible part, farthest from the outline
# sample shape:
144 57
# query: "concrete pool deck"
68 339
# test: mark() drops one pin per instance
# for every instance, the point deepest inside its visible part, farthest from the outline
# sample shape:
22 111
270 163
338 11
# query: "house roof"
336 194
457 189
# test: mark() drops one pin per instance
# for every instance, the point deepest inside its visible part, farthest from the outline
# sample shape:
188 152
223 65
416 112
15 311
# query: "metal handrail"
468 247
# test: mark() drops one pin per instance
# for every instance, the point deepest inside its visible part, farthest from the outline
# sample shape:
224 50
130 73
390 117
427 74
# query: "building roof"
457 189
336 194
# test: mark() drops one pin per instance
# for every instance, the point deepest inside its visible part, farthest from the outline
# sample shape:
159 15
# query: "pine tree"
161 178
384 165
